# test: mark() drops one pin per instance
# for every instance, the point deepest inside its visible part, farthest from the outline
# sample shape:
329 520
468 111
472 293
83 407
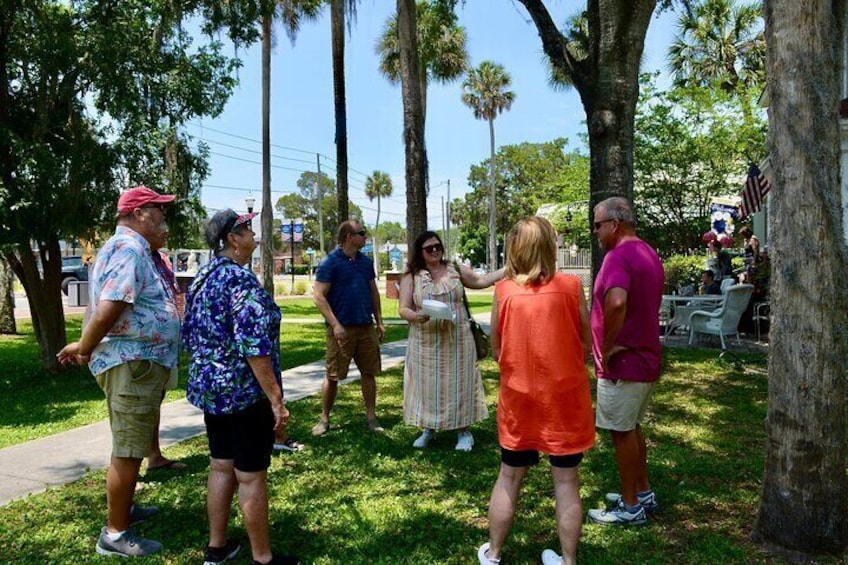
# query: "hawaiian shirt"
228 318
149 328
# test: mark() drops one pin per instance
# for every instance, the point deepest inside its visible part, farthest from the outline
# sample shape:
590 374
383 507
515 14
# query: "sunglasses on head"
435 248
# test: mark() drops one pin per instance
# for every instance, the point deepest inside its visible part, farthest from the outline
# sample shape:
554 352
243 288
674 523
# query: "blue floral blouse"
228 318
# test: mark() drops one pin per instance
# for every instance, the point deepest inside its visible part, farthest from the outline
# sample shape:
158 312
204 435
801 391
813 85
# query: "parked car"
73 269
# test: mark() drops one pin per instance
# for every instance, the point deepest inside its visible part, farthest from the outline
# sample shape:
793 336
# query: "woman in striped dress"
442 388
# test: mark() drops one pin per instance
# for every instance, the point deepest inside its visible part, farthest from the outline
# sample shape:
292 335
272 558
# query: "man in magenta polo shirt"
626 348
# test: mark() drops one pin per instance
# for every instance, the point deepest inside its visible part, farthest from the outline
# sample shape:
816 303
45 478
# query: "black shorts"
246 437
530 457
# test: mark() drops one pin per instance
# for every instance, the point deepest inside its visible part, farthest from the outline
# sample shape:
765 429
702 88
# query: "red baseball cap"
140 196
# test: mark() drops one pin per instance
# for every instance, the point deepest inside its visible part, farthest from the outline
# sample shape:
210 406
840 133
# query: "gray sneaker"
128 545
647 500
618 515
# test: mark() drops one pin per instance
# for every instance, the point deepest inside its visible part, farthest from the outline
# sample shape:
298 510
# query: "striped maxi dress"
442 388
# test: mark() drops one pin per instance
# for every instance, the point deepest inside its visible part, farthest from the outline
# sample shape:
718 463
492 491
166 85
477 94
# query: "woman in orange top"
541 339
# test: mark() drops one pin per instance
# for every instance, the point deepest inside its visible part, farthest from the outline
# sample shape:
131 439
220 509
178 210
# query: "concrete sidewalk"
33 467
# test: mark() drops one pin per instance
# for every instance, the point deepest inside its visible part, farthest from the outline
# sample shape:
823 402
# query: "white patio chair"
725 320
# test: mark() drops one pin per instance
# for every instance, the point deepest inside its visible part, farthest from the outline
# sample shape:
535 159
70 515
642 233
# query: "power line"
257 152
249 139
258 162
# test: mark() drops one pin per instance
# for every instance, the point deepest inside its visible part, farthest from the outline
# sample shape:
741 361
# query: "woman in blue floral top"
231 330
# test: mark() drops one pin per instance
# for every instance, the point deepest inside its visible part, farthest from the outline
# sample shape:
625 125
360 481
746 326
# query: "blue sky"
302 109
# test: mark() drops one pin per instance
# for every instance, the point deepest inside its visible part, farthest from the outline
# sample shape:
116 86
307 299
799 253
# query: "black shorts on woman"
245 437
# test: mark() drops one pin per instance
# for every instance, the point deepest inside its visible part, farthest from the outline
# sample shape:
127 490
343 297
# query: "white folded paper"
437 310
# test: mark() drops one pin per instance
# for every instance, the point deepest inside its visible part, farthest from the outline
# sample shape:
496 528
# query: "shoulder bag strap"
462 286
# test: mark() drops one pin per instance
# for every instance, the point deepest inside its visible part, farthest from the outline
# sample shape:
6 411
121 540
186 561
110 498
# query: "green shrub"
682 270
300 287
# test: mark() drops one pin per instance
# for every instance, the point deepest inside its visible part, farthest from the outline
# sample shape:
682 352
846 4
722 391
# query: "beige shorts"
621 404
362 346
133 396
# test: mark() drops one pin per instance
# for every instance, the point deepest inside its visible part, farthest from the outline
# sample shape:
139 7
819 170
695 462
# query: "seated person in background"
708 283
720 262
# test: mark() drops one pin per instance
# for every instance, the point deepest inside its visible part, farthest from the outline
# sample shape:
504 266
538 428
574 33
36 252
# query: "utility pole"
447 233
444 219
320 196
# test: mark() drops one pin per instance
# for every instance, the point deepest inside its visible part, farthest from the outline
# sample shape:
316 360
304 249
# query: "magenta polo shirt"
635 267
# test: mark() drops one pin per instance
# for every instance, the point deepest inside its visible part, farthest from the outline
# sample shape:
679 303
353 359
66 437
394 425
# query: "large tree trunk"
337 16
44 294
267 218
805 493
608 84
7 299
413 122
493 215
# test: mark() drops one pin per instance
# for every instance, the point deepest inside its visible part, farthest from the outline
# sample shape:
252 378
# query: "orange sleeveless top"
544 402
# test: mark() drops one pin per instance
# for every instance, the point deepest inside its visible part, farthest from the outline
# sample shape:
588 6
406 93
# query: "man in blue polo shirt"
346 294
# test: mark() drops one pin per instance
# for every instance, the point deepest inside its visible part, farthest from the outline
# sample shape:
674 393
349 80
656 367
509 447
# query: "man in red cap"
130 344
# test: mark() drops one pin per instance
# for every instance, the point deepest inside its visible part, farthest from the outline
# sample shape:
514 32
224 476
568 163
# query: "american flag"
754 192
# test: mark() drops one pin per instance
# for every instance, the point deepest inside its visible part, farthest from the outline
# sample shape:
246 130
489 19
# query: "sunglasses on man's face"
363 233
435 248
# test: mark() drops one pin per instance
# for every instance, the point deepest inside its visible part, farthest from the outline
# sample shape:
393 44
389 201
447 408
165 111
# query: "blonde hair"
531 251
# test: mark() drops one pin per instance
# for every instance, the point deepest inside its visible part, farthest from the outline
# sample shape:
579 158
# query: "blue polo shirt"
350 293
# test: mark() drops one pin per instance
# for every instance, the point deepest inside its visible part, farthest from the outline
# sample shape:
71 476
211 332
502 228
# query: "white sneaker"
423 439
550 557
464 442
481 556
618 515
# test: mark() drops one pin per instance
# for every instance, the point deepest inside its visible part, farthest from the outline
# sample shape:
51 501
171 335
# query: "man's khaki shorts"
621 404
362 346
133 396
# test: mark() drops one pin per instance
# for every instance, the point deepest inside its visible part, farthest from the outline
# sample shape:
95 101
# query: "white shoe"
550 557
481 556
423 439
464 442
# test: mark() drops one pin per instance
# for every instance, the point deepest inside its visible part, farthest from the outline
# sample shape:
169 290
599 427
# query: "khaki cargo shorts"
621 405
133 395
362 346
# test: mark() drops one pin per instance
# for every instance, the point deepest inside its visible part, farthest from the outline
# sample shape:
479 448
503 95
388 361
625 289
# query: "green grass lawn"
352 497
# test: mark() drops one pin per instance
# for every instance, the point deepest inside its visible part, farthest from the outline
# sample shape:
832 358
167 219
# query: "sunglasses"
363 233
435 248
159 207
602 222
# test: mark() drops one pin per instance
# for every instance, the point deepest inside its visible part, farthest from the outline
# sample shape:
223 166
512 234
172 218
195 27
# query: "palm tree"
427 32
485 92
378 185
413 121
719 42
441 47
339 9
290 13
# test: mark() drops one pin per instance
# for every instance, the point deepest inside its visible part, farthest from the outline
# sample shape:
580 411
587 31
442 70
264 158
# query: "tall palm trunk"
267 218
337 17
805 492
413 121
493 236
376 243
